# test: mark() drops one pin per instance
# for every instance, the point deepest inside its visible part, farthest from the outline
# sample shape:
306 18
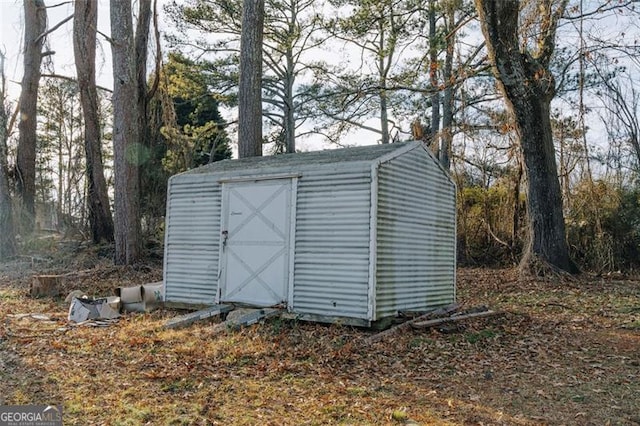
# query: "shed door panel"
256 241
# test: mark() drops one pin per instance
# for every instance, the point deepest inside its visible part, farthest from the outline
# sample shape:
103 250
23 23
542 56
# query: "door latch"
225 237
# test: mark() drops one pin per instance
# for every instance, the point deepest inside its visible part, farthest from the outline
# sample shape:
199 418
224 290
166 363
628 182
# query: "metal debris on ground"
95 323
82 309
141 298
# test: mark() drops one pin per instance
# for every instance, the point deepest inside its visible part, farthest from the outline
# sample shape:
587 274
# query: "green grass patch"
480 336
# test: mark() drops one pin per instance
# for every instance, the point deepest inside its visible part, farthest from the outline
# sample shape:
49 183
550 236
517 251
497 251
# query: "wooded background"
532 105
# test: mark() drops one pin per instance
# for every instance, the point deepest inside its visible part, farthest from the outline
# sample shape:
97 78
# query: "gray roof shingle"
359 153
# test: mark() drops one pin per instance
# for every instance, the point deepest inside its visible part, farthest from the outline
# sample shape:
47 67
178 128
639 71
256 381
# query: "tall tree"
433 71
382 31
291 29
407 68
60 149
521 68
448 80
250 82
196 120
453 65
35 24
7 233
84 47
621 99
186 131
128 122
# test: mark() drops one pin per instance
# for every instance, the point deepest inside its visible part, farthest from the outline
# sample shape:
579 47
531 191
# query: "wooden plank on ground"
190 318
447 320
446 310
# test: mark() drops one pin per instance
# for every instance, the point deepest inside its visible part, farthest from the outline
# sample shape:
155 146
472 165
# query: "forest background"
342 73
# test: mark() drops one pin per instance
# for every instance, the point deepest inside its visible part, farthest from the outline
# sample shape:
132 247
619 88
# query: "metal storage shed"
355 234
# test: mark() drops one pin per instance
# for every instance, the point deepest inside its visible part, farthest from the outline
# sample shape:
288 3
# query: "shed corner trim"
373 241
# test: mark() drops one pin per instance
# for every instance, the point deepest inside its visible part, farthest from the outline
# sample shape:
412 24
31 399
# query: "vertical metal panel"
192 238
415 268
332 242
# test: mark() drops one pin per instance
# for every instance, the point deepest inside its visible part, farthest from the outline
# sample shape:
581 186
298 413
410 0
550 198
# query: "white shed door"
255 242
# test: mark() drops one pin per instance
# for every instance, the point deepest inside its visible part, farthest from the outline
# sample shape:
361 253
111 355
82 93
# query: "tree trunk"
35 24
289 117
126 134
84 44
446 139
142 145
433 76
61 191
250 84
383 72
528 87
141 48
516 204
547 239
384 117
7 235
289 102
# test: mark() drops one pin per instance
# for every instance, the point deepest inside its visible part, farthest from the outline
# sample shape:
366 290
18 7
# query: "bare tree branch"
55 27
72 79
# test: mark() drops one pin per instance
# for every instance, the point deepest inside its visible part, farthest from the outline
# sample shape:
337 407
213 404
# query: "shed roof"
342 155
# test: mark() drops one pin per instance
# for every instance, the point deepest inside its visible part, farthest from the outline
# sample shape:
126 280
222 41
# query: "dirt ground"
559 353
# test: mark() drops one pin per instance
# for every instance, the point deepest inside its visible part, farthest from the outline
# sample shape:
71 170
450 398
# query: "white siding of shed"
332 242
415 266
192 239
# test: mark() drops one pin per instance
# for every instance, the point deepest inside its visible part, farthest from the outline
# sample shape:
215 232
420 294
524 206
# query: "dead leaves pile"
560 353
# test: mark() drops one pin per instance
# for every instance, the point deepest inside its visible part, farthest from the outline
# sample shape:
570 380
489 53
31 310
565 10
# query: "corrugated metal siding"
192 239
415 267
332 242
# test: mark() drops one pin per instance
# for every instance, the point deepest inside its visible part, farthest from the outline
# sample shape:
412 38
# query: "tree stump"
45 286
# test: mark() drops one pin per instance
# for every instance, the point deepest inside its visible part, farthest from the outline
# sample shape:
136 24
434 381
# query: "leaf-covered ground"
559 353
